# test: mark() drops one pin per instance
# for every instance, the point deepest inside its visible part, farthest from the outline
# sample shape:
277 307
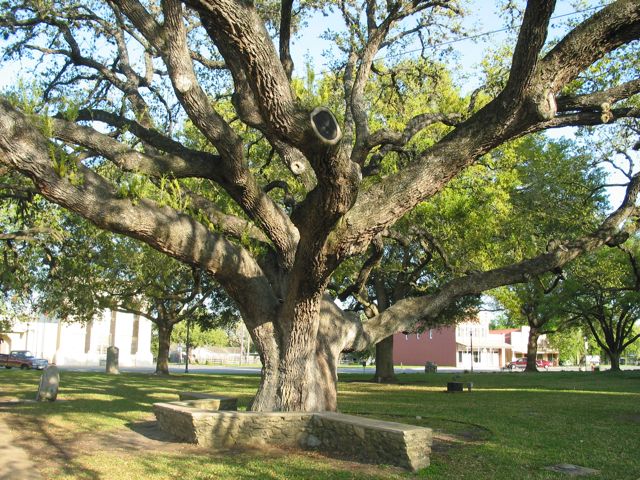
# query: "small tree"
94 270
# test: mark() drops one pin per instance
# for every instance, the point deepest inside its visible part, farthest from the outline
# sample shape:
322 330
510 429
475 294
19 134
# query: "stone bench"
210 401
364 439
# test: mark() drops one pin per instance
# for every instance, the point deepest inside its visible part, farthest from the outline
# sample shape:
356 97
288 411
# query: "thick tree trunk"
532 349
264 340
307 373
308 382
384 362
614 357
384 348
164 344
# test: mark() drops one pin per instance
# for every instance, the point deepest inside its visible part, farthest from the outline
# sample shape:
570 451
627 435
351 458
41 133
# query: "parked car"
521 363
23 359
544 364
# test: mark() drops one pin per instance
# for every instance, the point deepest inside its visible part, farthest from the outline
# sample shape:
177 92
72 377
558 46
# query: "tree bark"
384 348
532 349
164 344
384 362
309 385
614 357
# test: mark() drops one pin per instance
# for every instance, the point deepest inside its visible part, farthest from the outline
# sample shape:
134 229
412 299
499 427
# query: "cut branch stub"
325 125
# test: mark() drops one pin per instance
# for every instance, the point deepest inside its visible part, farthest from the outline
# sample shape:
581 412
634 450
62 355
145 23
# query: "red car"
521 363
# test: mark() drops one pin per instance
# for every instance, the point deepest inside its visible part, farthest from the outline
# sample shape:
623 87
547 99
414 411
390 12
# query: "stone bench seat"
209 401
363 439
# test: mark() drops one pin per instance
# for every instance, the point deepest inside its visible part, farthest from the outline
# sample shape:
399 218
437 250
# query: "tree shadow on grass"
47 448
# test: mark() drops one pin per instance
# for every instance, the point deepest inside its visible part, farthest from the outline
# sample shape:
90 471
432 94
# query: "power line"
479 35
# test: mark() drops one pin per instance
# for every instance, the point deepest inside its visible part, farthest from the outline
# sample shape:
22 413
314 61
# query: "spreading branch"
411 311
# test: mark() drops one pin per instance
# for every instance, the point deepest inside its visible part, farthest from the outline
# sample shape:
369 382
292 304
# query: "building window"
476 356
459 356
102 349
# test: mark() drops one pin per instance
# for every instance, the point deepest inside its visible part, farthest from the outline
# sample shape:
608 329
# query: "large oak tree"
119 75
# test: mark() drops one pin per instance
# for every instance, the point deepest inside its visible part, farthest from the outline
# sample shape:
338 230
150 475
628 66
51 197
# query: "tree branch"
188 163
494 124
598 101
408 312
285 36
531 38
30 234
367 267
24 148
614 25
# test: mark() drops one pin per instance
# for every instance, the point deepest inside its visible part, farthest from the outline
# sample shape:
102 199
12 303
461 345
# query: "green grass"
509 427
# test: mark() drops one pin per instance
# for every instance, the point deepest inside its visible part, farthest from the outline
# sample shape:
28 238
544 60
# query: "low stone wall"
210 401
367 440
374 441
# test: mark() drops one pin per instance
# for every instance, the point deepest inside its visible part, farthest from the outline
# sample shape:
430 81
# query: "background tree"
199 336
94 270
569 342
602 293
141 69
557 193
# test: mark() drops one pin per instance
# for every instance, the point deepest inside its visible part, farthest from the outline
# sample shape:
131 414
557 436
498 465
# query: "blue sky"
484 19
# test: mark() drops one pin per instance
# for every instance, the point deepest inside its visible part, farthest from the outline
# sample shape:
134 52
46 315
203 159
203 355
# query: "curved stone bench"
210 401
364 439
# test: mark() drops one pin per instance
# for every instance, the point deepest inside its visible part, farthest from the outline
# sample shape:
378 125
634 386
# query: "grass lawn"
509 427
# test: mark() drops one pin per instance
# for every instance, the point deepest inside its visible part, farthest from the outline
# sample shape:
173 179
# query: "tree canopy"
602 294
116 85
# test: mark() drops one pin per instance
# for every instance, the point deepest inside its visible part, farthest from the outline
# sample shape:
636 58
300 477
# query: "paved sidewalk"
14 461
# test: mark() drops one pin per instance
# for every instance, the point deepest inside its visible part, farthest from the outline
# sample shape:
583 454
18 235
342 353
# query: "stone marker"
49 383
112 360
455 386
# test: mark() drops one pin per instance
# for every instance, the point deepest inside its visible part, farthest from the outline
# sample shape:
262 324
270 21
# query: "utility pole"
186 363
471 335
241 342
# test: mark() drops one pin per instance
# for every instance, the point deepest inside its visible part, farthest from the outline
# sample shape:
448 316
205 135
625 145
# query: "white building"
479 347
79 344
518 338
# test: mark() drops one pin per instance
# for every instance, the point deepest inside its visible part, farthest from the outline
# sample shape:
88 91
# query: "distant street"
255 370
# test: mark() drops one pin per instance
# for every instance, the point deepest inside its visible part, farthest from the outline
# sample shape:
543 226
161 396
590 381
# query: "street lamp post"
186 363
